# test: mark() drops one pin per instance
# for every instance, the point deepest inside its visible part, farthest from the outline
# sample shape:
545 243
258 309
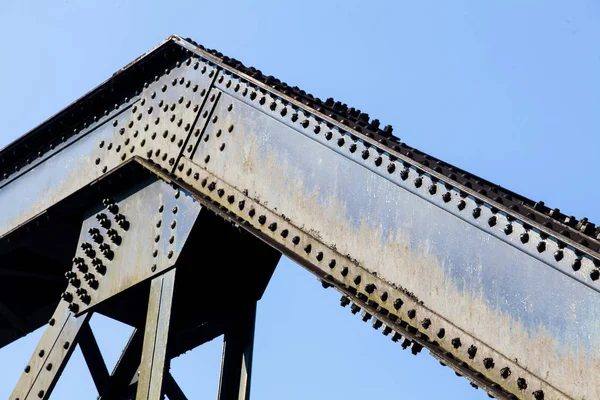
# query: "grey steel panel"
51 181
160 125
155 125
515 297
157 220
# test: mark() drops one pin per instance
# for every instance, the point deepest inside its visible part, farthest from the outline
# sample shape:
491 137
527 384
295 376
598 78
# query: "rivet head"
538 395
456 343
488 363
541 246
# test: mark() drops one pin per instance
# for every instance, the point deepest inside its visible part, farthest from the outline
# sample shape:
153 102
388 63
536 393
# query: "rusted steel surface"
439 256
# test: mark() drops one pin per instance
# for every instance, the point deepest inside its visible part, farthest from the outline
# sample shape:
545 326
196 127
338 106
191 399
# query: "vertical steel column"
156 335
236 364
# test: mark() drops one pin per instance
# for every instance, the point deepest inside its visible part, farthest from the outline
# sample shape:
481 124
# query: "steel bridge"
186 152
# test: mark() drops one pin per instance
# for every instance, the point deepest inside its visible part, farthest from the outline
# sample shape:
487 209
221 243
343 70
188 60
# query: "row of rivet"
91 250
400 173
147 116
226 198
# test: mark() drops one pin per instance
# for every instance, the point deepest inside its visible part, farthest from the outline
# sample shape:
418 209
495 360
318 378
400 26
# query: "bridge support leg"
51 355
156 335
236 365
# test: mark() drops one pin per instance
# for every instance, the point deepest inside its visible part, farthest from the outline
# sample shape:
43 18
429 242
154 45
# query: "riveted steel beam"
51 355
127 239
152 370
511 293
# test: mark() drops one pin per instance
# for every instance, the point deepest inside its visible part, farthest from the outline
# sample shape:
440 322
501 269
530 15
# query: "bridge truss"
165 197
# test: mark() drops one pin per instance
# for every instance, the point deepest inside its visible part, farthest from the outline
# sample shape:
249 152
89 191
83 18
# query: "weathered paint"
160 219
61 174
522 303
51 355
494 291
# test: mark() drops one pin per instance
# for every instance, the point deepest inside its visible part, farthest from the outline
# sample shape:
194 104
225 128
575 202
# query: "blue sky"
508 90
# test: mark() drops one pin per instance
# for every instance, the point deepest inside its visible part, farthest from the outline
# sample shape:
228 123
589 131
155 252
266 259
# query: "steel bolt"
66 296
99 266
366 316
75 282
114 236
416 348
106 251
344 301
122 221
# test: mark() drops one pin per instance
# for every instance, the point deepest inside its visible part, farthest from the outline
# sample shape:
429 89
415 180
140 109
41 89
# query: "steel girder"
131 247
441 261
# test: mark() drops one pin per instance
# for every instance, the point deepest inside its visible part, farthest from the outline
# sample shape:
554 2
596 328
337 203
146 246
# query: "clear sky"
508 90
